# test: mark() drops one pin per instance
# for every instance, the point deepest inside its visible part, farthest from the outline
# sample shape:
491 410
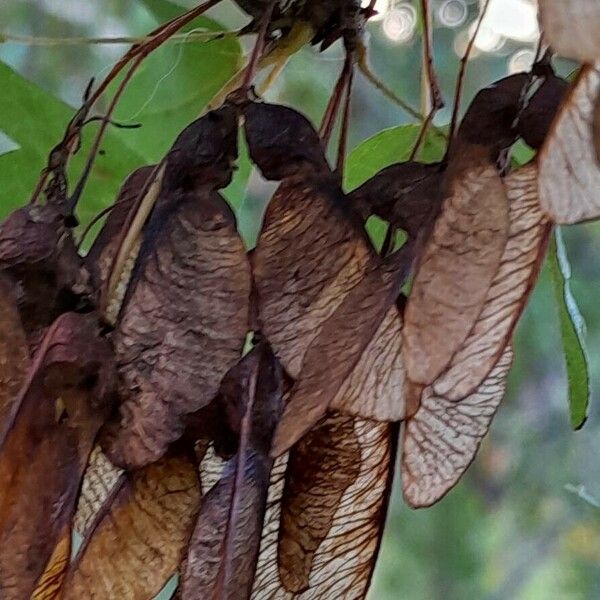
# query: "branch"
180 38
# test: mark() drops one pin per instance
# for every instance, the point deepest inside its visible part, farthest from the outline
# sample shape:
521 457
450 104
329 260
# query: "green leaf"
175 83
572 328
171 89
36 121
387 148
522 153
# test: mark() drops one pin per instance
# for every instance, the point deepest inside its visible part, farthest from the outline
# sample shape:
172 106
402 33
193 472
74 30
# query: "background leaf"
175 83
572 328
172 87
388 147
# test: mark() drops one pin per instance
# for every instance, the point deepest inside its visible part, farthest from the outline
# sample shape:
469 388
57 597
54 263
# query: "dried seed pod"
185 315
489 126
311 251
327 507
204 153
509 291
221 560
466 245
455 273
569 177
183 325
64 401
141 534
101 476
14 352
37 250
441 440
455 411
202 156
571 27
99 260
282 142
354 365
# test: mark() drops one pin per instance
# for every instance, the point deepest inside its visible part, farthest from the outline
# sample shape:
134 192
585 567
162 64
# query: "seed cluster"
189 407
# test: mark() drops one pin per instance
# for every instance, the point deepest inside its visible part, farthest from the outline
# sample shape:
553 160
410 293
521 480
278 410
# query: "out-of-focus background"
524 523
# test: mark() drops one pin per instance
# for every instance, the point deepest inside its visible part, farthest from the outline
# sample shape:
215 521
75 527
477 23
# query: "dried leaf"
355 364
14 352
571 27
138 543
338 515
182 327
455 273
569 177
62 404
440 441
222 557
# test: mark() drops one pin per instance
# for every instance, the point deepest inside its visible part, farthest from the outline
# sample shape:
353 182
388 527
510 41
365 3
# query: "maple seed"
569 177
141 533
185 315
63 402
223 551
571 27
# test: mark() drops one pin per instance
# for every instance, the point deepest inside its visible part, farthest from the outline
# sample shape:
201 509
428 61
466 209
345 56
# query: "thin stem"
333 106
258 50
153 41
343 145
437 100
461 75
432 99
64 151
100 135
181 38
364 68
90 225
422 133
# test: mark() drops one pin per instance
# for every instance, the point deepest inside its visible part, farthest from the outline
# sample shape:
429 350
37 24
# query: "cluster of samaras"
128 416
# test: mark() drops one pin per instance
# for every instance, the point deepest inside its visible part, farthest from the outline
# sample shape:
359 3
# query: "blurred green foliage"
522 524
